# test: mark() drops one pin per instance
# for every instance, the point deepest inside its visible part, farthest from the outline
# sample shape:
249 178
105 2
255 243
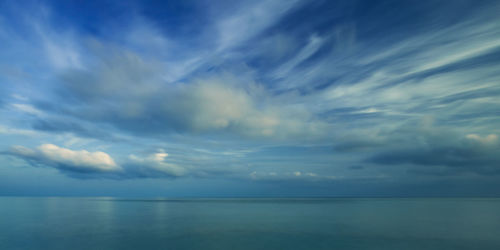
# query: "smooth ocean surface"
334 223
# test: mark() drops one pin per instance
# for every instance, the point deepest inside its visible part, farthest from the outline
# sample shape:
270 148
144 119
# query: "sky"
210 98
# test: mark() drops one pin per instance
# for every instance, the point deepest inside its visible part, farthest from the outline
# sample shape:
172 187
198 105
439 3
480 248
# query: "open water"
330 223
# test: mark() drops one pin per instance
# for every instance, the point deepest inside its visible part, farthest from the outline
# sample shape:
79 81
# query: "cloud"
27 108
298 176
491 139
16 131
219 105
312 47
249 20
144 94
58 126
81 161
154 165
439 151
85 164
128 92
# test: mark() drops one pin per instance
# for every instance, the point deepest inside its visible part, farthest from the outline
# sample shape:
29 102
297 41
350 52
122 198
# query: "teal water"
335 223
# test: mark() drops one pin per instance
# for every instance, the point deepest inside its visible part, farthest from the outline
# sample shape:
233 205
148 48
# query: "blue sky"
250 98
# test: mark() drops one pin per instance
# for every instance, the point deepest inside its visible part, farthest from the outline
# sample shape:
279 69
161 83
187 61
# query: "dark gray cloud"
440 151
457 159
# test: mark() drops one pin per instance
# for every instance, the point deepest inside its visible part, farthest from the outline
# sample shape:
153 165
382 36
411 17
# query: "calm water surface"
336 223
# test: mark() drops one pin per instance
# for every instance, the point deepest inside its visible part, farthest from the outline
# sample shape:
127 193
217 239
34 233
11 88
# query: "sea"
249 223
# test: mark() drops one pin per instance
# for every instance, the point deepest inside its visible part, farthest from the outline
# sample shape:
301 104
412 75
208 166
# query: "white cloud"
61 48
156 162
314 177
62 55
314 44
15 131
20 97
67 159
297 176
219 105
487 140
249 20
26 108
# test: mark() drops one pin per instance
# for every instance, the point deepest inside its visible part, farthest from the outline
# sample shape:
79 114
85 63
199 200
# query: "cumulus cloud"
79 161
82 163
